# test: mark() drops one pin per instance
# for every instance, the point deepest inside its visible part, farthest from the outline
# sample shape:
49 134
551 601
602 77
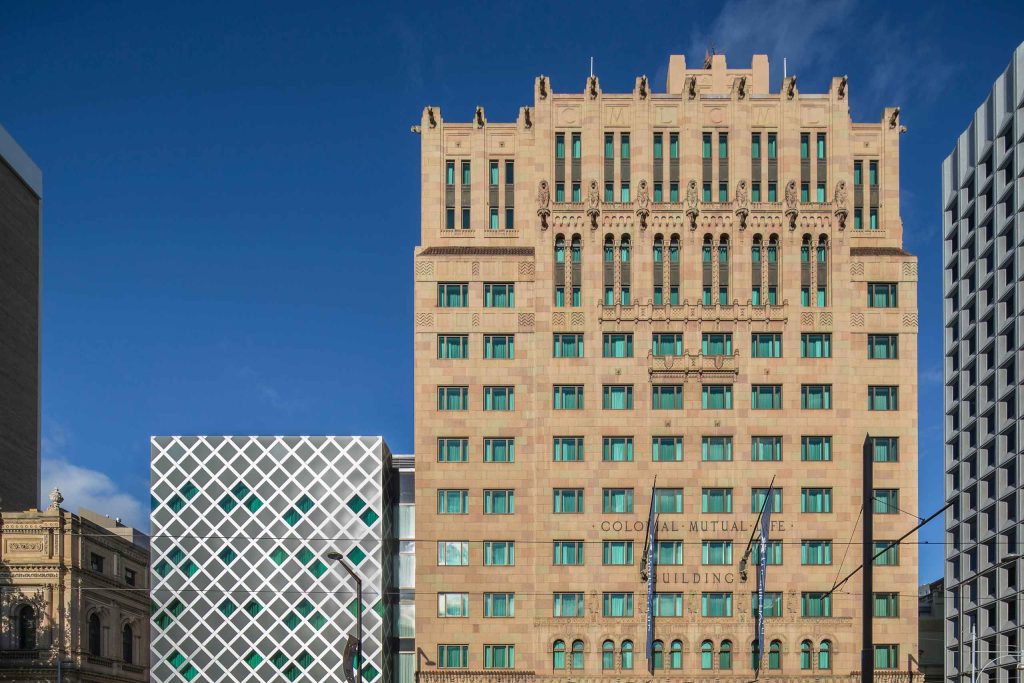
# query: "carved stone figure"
841 93
790 87
691 203
527 118
894 117
643 201
791 212
839 202
431 118
643 87
479 117
543 85
543 203
741 87
592 87
593 202
691 87
742 203
55 499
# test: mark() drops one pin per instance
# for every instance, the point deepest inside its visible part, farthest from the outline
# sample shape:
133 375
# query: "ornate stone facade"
74 595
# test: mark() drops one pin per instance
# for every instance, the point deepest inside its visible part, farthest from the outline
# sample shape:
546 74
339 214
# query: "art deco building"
21 195
706 286
982 195
74 600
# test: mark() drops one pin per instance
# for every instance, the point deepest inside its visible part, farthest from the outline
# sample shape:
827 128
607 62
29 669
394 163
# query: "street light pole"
359 609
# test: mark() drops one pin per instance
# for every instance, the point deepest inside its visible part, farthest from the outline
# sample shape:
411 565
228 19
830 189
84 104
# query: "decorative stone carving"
841 92
691 203
856 320
790 87
691 87
910 320
431 118
642 88
543 203
894 117
424 320
542 86
910 270
577 319
527 118
643 201
526 268
424 270
558 318
791 212
476 320
742 203
741 87
479 119
593 203
825 320
592 89
55 499
476 269
856 268
839 201
526 321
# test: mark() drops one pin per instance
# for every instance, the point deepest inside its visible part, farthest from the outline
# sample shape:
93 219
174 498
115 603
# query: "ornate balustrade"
687 312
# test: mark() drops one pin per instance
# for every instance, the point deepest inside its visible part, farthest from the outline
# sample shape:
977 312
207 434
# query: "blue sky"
231 198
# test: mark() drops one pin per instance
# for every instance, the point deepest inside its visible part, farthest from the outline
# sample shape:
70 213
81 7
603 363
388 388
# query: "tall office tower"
706 286
242 587
982 213
21 196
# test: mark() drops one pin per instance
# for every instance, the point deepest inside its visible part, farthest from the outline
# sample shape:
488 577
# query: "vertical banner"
762 567
652 526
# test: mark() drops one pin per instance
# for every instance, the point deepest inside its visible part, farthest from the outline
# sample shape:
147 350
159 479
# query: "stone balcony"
696 366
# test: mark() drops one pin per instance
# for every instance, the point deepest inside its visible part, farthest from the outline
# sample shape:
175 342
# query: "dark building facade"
21 192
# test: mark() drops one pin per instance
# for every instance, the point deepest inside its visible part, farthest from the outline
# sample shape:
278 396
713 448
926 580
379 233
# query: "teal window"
667 344
466 176
816 345
558 654
453 656
499 398
716 396
821 145
499 295
502 656
805 655
766 448
499 449
624 191
716 604
609 296
510 218
577 146
805 146
716 344
815 604
499 501
453 398
886 605
567 605
766 345
716 448
773 193
820 193
560 145
453 346
759 495
449 218
825 655
873 219
452 605
449 173
559 192
568 553
714 553
568 501
885 448
723 145
608 655
766 397
673 192
815 448
882 295
452 449
705 146
805 296
609 192
886 554
568 345
617 552
773 149
452 501
452 553
816 396
773 552
568 449
617 449
667 397
658 146
617 500
673 145
452 294
668 500
858 169
706 192
493 223
499 605
716 500
872 172
668 604
668 552
755 191
617 605
815 500
815 552
609 145
568 397
617 396
499 553
886 501
510 174
617 345
723 192
667 448
883 398
755 146
500 346
883 346
775 655
772 604
887 656
805 192
658 193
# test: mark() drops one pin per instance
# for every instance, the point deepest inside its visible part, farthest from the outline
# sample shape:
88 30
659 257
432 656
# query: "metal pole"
867 653
974 655
359 609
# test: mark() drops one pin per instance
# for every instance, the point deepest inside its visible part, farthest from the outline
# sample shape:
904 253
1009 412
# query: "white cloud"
83 487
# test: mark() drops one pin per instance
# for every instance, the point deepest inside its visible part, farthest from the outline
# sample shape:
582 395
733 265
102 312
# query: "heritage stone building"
74 598
705 285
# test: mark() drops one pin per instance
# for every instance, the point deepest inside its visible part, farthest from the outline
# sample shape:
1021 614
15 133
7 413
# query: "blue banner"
762 568
652 527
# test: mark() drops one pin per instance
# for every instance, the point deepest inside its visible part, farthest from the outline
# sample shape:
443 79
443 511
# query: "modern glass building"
983 208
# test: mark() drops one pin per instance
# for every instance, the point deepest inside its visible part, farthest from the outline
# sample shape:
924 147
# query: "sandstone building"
705 285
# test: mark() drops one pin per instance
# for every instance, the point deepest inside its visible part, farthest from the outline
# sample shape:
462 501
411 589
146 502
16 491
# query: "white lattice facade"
242 588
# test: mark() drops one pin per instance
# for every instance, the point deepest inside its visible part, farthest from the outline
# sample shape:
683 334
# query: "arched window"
673 249
659 270
825 655
625 275
775 655
723 249
127 640
805 654
95 635
576 249
609 248
559 249
723 270
577 274
627 654
822 248
705 252
707 654
608 655
674 277
805 248
773 248
755 250
658 655
805 270
659 249
559 274
822 295
558 655
26 628
677 654
725 655
577 655
624 249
